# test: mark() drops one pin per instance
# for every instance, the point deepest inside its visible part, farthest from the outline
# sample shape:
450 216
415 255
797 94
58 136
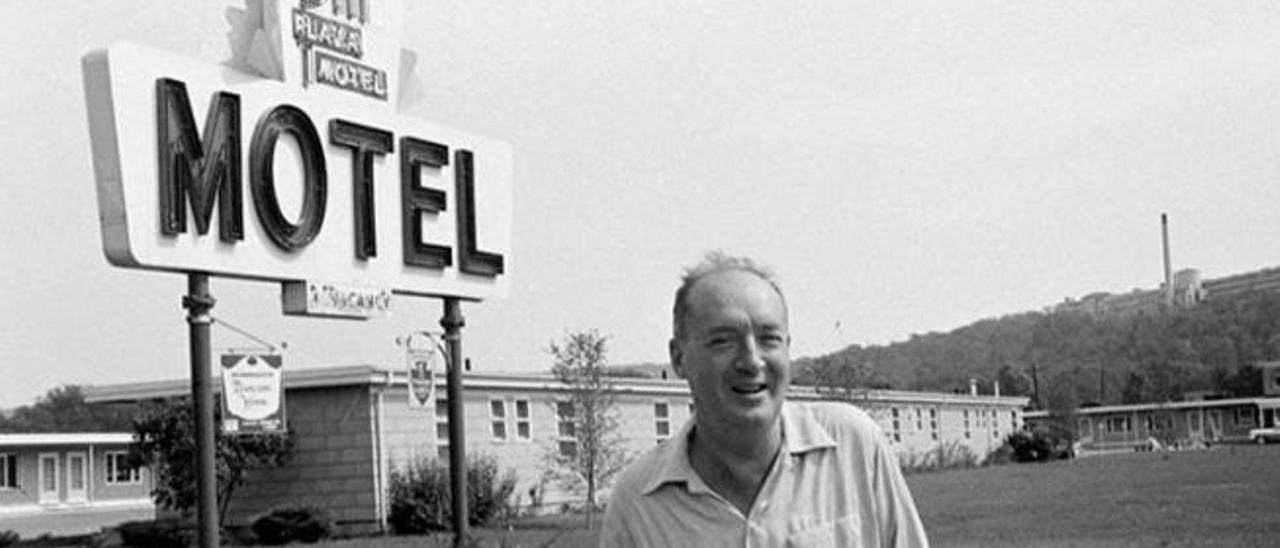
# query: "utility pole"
1035 385
1102 384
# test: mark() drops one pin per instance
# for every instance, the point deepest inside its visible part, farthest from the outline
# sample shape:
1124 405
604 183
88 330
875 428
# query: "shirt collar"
801 433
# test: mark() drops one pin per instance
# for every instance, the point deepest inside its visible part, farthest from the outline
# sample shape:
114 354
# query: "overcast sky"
904 168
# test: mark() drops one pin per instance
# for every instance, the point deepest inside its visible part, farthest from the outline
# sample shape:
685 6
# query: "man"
750 469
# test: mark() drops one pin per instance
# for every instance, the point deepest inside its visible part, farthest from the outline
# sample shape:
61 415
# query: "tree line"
1067 359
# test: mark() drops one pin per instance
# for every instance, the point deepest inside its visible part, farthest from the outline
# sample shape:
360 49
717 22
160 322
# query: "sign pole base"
198 302
452 323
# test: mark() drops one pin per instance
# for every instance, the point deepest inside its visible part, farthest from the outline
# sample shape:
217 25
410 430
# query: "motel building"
1194 423
73 475
353 426
1145 426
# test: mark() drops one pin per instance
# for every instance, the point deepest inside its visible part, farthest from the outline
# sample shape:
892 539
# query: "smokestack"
1168 266
995 388
973 386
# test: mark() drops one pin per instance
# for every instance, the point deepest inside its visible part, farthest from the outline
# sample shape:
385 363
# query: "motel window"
933 423
919 419
498 419
566 429
1246 416
523 429
442 428
897 425
966 424
8 471
1013 420
661 420
119 471
1118 424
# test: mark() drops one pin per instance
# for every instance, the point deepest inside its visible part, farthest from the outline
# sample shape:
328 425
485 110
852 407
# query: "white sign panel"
309 174
252 393
424 356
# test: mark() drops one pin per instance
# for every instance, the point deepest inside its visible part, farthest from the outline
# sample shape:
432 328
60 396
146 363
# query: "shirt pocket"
839 533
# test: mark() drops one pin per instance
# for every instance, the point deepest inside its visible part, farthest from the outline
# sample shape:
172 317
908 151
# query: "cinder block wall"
332 466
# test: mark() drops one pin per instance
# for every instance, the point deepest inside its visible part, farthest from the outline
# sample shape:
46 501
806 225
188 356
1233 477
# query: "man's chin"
756 414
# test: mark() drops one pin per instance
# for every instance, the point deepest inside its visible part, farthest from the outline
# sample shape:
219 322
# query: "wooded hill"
1076 358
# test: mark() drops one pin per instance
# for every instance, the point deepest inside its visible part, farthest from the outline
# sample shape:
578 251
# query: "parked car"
1264 435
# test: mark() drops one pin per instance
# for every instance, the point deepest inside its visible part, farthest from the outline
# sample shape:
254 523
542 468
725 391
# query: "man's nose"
750 359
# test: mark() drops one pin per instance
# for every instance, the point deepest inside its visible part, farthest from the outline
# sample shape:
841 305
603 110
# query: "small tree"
165 441
596 455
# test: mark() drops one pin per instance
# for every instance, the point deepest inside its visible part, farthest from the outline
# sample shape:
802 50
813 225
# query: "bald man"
751 469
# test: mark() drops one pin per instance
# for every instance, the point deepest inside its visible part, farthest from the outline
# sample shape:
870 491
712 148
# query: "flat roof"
1264 403
371 375
65 438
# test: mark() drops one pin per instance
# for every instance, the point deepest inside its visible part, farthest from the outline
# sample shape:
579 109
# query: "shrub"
1039 445
292 522
421 501
8 538
944 456
162 533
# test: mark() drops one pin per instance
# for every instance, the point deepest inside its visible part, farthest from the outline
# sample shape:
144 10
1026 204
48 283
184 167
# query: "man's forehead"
732 287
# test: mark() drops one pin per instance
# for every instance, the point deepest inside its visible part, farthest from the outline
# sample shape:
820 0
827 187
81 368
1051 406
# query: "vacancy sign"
252 393
294 163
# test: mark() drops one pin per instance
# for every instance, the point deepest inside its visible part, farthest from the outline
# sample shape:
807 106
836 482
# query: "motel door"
48 478
77 477
1195 425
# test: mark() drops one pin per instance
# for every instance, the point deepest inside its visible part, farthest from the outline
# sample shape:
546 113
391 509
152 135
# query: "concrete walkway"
71 522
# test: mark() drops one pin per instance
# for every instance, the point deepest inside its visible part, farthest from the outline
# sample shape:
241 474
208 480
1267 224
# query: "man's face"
735 351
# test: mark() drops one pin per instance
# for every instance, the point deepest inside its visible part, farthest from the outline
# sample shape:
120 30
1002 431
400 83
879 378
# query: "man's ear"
677 357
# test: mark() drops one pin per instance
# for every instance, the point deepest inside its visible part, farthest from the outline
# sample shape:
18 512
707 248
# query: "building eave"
370 375
1166 406
65 438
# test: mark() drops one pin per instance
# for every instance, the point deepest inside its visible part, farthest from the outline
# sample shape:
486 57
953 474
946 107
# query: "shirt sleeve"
900 525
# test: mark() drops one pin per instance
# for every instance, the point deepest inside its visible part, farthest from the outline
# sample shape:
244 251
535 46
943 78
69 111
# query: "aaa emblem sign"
424 355
252 393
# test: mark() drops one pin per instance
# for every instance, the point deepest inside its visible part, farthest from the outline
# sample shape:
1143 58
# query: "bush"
162 533
288 523
421 501
1039 445
8 538
944 456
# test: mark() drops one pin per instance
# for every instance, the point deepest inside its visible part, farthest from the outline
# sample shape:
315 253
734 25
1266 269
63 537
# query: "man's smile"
749 388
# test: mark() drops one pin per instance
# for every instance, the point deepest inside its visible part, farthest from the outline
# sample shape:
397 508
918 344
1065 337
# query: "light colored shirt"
835 483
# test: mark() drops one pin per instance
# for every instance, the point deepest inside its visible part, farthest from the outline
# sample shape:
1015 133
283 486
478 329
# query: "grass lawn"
1225 497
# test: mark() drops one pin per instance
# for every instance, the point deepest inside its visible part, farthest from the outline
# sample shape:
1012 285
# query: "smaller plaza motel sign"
310 103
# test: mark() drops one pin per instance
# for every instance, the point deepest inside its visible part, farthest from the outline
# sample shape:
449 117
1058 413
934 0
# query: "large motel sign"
192 161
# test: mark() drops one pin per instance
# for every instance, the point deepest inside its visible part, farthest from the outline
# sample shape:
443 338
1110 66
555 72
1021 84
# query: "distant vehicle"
1264 435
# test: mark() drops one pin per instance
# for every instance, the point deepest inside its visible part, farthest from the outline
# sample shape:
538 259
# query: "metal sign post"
198 302
452 323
